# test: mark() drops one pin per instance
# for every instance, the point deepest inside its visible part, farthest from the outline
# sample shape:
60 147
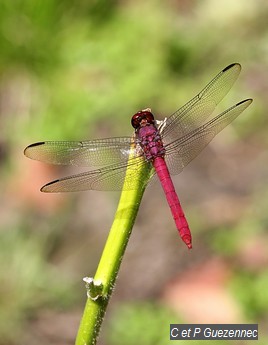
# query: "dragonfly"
164 147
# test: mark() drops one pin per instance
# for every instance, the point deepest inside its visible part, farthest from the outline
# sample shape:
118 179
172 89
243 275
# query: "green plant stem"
112 255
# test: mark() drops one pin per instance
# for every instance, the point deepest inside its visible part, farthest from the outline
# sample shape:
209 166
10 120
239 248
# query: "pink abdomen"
173 200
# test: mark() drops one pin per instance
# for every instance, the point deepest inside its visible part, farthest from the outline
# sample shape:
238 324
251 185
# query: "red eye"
149 117
136 119
141 115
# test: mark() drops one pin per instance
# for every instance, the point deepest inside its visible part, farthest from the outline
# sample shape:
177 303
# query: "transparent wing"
197 110
93 153
110 155
111 178
182 151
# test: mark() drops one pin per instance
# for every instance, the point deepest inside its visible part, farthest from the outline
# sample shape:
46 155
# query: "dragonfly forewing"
198 109
91 153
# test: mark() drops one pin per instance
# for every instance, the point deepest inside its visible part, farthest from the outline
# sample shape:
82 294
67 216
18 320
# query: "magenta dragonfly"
165 147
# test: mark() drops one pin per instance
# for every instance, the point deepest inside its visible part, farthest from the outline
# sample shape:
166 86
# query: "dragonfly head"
142 118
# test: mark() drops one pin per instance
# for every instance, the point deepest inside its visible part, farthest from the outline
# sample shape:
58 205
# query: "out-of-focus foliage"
77 70
28 281
149 324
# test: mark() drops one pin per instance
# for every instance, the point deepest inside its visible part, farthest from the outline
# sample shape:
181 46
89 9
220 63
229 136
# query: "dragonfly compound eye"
149 117
136 119
142 115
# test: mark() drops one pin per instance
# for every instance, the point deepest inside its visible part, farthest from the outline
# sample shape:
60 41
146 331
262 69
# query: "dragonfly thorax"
150 141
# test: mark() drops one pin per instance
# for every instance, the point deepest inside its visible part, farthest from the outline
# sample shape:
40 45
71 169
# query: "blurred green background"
80 70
